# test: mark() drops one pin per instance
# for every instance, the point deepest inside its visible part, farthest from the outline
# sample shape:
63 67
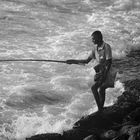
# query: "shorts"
110 79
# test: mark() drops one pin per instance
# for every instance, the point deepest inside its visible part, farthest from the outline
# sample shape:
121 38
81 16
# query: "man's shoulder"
108 51
107 46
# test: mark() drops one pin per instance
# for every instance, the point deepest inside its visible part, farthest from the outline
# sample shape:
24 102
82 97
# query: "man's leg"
102 96
94 89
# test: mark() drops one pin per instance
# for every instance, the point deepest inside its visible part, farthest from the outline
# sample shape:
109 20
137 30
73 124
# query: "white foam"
113 93
12 6
126 4
31 124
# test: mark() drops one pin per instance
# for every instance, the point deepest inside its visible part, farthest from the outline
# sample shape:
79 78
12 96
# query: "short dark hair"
98 34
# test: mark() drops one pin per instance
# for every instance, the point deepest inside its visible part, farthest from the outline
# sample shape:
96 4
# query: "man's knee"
101 89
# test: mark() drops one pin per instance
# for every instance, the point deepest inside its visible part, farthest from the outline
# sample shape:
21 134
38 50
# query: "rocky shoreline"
121 121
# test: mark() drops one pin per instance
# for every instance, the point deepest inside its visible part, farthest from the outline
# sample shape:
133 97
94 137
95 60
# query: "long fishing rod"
45 60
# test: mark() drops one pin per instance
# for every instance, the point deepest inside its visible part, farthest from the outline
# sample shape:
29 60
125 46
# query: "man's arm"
108 61
107 67
83 61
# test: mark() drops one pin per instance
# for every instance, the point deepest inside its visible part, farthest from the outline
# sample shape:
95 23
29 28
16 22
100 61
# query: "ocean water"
41 97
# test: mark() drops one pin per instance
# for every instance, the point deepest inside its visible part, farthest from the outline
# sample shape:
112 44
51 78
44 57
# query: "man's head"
97 37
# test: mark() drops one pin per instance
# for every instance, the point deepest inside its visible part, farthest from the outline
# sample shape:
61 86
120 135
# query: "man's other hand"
71 61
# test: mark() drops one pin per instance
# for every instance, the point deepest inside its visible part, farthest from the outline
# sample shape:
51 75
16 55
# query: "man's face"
95 39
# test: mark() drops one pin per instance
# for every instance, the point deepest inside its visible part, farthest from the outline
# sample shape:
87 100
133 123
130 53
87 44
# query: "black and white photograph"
69 69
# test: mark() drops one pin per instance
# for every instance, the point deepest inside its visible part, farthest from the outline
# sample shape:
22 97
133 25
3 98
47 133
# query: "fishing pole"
45 60
8 60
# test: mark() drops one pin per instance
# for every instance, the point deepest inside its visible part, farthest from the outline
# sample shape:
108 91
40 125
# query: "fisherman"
104 77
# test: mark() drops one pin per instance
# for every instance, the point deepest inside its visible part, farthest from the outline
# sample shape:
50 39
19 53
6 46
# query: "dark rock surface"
120 121
48 136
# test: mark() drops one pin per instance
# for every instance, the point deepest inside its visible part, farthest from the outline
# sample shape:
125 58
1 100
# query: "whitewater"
41 97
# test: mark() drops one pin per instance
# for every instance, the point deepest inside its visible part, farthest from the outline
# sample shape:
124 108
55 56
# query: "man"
102 54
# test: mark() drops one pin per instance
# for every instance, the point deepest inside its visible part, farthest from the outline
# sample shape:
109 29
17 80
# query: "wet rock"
51 136
92 137
134 133
110 134
94 121
133 116
132 84
126 129
77 134
133 137
131 131
121 137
